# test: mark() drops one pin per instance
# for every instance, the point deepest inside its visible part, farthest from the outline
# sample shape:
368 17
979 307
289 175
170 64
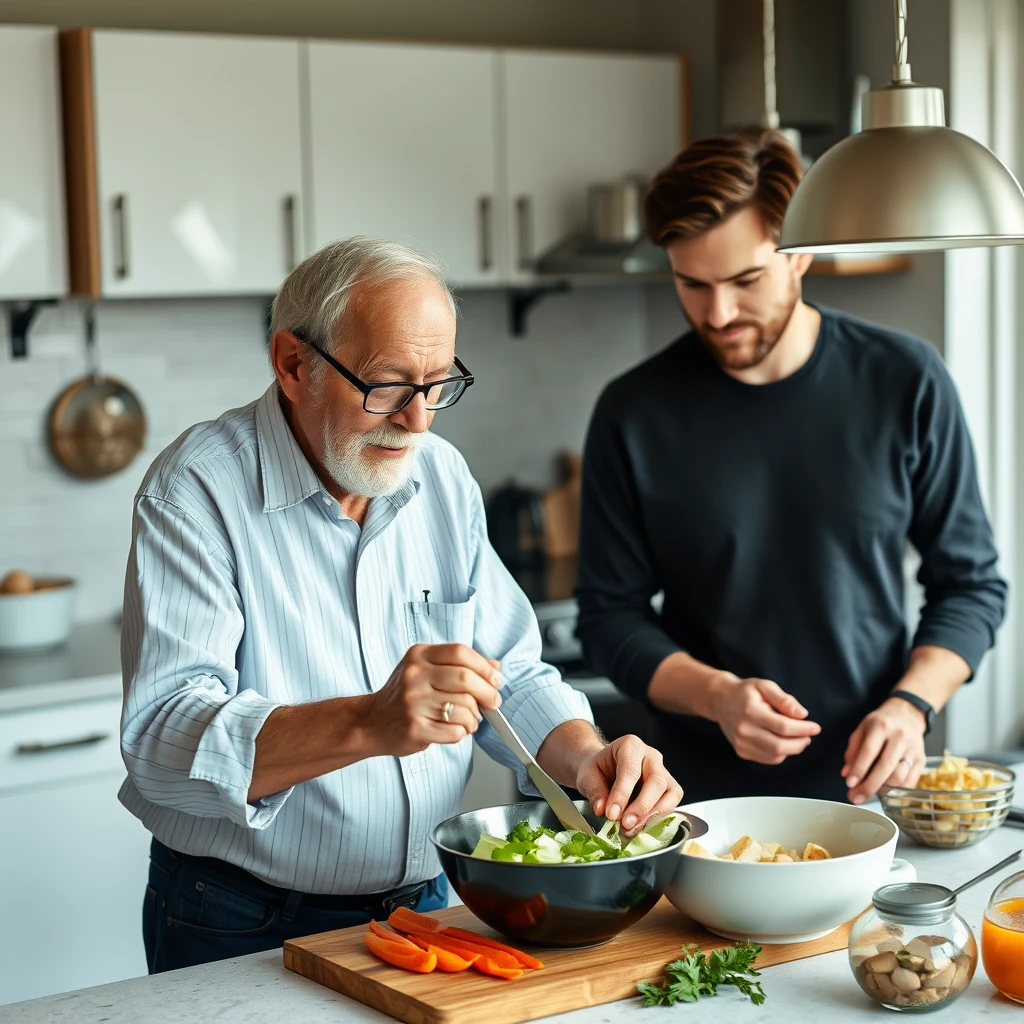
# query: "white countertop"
86 667
258 990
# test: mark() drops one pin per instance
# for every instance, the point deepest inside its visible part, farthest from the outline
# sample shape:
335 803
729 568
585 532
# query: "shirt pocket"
435 622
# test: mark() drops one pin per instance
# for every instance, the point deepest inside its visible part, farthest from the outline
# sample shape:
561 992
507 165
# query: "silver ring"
907 761
446 710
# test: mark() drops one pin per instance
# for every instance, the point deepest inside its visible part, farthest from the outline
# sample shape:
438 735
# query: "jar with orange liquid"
1002 938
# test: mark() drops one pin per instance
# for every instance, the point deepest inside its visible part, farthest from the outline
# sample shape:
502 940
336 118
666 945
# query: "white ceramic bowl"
772 903
37 621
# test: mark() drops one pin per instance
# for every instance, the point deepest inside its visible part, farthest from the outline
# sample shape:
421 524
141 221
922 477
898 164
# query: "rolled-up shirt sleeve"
535 699
188 733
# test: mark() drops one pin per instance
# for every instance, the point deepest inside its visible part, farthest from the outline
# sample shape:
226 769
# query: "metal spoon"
1013 858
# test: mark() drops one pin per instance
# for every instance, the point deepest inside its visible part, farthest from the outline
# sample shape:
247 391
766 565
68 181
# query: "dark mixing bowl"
566 905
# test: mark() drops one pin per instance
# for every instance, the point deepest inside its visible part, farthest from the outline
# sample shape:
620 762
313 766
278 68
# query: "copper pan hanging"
97 424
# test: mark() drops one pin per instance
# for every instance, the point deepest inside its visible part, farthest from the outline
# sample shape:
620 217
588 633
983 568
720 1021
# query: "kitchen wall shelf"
19 319
854 266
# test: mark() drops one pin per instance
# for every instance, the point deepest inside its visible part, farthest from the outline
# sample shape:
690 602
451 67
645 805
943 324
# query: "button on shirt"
247 589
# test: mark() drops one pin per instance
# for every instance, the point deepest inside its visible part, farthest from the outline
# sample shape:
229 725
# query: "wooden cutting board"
569 980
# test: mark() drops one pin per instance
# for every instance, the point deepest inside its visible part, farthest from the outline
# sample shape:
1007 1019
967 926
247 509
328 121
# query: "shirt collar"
288 478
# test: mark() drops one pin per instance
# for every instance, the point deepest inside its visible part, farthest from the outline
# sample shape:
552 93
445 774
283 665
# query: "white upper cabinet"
572 120
403 144
198 163
32 242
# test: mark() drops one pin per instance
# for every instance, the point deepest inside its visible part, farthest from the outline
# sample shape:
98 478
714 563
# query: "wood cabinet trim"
78 112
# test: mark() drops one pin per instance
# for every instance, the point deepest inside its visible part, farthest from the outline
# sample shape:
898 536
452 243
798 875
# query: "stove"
550 590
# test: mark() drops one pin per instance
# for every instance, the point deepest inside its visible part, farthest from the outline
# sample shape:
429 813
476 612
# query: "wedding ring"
907 762
446 710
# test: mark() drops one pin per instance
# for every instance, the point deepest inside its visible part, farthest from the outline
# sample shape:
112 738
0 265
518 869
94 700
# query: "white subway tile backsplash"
192 360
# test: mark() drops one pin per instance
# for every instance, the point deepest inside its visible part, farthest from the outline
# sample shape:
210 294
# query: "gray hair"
313 298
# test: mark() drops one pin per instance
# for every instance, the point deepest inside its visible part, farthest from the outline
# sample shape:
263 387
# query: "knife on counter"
565 810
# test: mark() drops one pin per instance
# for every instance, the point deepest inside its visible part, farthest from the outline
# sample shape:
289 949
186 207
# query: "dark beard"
747 356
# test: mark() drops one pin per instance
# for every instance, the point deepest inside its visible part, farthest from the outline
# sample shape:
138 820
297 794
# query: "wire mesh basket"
952 817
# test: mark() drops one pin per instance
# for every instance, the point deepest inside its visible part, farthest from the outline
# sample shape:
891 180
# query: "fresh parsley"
695 975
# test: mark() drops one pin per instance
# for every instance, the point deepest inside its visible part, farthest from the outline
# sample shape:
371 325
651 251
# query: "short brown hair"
716 177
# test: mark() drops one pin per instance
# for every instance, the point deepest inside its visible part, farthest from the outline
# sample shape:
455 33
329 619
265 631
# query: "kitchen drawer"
58 743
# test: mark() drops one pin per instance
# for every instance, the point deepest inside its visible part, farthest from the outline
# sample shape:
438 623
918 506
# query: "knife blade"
565 810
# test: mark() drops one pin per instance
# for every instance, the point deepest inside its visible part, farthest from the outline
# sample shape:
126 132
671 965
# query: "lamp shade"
906 183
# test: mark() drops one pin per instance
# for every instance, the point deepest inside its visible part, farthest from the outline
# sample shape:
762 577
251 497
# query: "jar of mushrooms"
911 950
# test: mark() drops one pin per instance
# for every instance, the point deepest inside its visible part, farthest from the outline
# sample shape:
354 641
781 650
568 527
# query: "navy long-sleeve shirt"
775 519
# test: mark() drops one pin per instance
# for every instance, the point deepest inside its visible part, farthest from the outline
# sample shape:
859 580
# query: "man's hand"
886 749
407 714
761 720
607 778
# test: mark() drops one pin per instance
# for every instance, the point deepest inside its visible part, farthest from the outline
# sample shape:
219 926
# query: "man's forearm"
934 673
565 747
301 742
685 686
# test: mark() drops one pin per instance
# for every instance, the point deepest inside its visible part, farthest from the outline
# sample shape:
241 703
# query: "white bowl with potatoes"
779 869
36 613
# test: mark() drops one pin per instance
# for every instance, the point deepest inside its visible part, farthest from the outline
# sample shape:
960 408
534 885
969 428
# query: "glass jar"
1002 937
911 950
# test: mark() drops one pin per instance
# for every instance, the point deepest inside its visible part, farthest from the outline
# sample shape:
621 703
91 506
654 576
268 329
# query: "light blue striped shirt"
248 588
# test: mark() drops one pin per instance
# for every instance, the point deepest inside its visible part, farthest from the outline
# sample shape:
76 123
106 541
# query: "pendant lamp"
905 182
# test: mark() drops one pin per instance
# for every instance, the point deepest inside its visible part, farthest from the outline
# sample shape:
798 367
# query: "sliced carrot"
446 959
482 940
405 920
485 965
467 949
395 953
389 934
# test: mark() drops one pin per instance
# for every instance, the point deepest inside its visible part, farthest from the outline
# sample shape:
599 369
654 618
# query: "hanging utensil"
97 424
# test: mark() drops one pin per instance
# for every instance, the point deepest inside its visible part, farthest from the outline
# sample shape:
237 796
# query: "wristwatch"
921 704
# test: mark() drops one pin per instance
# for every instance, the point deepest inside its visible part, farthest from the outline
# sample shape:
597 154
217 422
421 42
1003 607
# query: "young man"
766 472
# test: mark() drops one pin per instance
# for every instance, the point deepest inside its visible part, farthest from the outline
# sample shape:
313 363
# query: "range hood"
584 255
614 242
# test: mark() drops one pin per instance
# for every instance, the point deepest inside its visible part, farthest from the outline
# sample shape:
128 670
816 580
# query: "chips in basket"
959 810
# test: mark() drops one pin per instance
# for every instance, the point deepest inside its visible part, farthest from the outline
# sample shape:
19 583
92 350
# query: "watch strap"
920 703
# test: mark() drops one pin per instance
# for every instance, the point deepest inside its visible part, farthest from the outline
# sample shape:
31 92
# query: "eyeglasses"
390 397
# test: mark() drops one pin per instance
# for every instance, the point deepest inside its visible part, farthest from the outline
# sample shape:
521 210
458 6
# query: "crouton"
694 849
746 849
782 858
812 851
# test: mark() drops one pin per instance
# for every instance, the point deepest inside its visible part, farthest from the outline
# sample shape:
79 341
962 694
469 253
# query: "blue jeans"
194 913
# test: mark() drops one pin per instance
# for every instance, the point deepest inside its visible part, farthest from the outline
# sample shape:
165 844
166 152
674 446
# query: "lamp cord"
770 118
901 69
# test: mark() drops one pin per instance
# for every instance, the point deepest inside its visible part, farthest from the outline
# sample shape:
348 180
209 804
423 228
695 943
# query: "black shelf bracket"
521 300
19 319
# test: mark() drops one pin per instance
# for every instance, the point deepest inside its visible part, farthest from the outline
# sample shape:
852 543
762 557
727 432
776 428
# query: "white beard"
360 474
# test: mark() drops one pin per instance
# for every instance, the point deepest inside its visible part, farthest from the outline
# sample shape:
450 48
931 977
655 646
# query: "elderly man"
313 621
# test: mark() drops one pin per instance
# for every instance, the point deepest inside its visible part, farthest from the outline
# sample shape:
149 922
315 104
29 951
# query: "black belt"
377 904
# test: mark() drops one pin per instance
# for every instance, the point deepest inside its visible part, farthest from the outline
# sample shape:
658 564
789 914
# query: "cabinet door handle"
291 243
121 267
524 232
486 259
45 748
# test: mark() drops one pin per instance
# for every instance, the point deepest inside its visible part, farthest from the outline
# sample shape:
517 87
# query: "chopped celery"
527 844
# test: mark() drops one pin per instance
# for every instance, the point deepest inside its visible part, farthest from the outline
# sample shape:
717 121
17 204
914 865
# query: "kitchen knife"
1015 817
565 810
